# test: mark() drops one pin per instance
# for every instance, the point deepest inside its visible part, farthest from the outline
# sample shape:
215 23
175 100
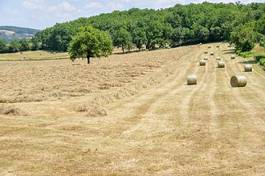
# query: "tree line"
243 25
19 45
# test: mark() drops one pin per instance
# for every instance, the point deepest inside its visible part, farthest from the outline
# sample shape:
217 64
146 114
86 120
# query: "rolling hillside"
11 32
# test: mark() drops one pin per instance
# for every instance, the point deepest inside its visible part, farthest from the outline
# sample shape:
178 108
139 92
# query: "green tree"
24 45
244 37
139 38
261 25
90 42
262 41
59 38
2 46
154 34
35 44
14 46
122 38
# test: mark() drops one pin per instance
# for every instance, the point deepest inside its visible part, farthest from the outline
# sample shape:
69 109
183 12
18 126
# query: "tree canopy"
178 25
90 42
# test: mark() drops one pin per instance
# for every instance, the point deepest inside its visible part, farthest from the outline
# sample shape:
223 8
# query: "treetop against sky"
43 13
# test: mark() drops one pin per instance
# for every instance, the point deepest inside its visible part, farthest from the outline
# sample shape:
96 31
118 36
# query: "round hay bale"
233 57
206 58
202 62
218 58
248 68
212 53
238 81
209 47
205 52
221 64
192 80
217 46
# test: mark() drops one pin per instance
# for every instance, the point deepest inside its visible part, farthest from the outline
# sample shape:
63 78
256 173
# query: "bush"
245 54
259 58
262 61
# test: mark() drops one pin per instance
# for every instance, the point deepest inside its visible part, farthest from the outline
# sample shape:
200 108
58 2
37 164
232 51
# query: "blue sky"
43 13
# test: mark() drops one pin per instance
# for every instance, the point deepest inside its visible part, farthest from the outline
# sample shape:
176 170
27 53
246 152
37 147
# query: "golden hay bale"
218 58
217 46
192 79
209 47
202 62
233 57
206 58
205 52
212 53
221 64
238 81
248 67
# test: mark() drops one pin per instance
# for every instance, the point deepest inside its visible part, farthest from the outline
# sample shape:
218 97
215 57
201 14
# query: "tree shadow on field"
229 51
128 52
252 61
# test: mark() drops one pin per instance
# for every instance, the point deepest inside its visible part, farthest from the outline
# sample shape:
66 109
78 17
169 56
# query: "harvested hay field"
33 56
132 114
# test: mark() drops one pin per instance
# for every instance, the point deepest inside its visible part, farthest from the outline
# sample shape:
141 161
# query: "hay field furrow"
132 114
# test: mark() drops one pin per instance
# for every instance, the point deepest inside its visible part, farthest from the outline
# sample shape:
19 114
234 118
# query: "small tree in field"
90 42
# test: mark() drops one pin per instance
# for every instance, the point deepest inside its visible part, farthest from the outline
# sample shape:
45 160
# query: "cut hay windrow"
248 67
238 81
192 79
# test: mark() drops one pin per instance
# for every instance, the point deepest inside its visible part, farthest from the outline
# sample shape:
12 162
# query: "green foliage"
90 42
262 41
262 61
260 25
244 37
242 24
245 54
2 46
139 38
122 38
35 44
259 57
24 45
14 46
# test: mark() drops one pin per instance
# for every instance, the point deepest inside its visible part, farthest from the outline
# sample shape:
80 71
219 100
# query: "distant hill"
11 32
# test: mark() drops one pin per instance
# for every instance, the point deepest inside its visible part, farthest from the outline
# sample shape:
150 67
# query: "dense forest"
243 25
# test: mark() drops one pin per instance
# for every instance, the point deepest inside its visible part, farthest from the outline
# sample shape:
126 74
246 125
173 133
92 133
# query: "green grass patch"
246 54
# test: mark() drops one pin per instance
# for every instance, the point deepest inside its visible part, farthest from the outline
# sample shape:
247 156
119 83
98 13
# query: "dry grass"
131 114
33 56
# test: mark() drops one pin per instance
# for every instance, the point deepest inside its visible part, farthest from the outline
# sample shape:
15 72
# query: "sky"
40 14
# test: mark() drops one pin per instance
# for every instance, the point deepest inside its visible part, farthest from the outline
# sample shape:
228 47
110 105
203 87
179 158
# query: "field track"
155 125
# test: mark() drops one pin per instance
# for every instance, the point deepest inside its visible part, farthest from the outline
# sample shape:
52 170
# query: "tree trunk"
88 59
